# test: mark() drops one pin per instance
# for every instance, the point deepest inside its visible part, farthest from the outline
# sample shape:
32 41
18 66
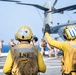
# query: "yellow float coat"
9 61
64 46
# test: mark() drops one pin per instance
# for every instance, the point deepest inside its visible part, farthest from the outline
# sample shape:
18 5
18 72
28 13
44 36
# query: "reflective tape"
72 32
23 50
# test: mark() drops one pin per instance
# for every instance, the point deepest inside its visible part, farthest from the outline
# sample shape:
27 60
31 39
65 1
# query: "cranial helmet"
70 32
24 33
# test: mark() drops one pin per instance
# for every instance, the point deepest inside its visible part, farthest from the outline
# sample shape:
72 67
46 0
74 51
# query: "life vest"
24 60
69 61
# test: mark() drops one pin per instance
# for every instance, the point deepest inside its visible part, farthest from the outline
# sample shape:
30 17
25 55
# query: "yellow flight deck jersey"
9 61
59 44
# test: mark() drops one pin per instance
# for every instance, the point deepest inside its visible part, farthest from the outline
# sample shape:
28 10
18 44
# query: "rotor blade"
55 3
74 12
35 5
10 0
68 8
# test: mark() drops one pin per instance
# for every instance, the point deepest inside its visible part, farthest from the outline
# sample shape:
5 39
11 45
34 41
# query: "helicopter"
48 11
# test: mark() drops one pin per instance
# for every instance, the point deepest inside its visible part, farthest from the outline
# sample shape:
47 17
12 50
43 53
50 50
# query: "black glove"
46 29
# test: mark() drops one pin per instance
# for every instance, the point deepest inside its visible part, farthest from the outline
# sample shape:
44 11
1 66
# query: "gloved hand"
46 29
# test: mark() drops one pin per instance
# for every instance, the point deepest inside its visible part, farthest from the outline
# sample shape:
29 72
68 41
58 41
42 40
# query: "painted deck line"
45 59
1 62
1 70
54 67
4 54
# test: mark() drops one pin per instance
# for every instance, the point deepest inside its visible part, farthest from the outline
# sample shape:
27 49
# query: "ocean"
6 48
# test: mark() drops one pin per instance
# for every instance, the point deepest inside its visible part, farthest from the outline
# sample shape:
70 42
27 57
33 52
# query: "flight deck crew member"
34 40
32 59
11 43
1 45
55 49
42 45
64 46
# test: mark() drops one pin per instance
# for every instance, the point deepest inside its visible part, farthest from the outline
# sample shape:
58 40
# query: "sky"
13 16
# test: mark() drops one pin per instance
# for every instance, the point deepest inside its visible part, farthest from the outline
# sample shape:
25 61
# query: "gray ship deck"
53 65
